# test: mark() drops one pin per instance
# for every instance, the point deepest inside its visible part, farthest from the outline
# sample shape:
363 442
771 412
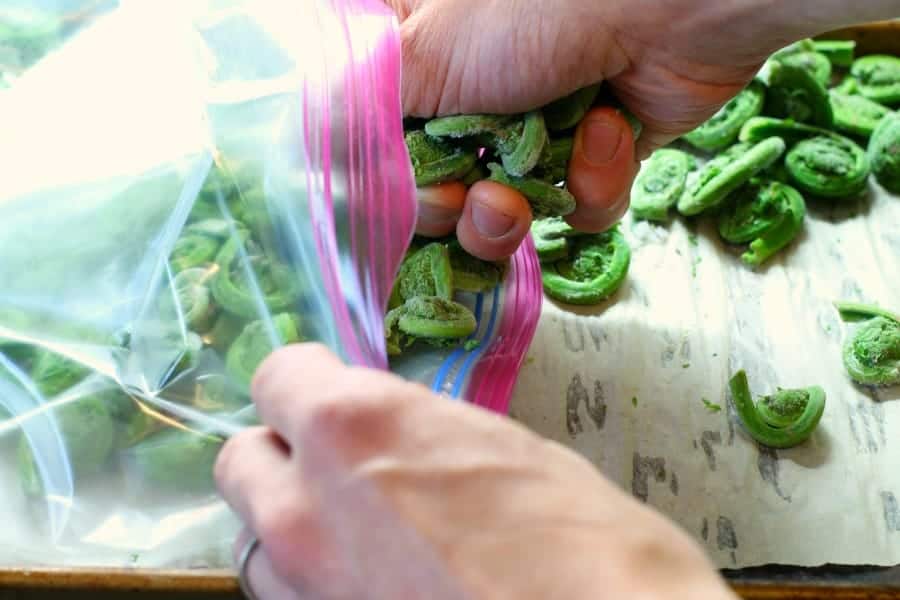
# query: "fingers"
601 170
244 470
440 207
260 576
494 221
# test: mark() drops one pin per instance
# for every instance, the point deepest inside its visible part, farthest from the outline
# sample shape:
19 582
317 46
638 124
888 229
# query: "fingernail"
600 141
490 222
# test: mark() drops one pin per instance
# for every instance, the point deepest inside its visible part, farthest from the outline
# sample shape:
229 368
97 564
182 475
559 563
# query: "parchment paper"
624 383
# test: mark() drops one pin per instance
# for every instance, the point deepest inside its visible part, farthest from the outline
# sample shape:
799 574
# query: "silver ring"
243 560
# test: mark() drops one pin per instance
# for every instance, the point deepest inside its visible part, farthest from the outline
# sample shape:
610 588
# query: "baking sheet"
623 384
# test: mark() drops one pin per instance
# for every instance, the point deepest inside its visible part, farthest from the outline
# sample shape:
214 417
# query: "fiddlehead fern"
795 93
241 278
828 166
660 184
257 341
554 162
595 269
471 274
435 161
722 129
545 198
815 63
872 354
767 215
89 435
840 52
878 77
551 238
884 153
784 419
179 459
426 272
194 300
726 173
567 112
758 129
433 318
856 115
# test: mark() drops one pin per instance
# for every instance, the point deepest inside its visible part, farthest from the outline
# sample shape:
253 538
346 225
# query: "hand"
673 63
364 486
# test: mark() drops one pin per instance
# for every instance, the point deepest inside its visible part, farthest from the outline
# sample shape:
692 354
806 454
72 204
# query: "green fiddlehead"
878 77
726 173
471 274
256 342
815 63
796 94
595 269
660 184
176 459
784 419
848 86
194 300
758 129
426 272
89 434
567 112
766 214
840 52
545 198
884 153
240 279
554 163
722 129
828 166
434 318
856 115
53 373
872 354
551 238
522 156
435 161
199 243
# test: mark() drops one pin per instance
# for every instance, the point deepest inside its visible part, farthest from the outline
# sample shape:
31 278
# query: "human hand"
364 486
672 63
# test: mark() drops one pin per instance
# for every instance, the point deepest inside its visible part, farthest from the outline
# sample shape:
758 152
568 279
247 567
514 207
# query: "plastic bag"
170 216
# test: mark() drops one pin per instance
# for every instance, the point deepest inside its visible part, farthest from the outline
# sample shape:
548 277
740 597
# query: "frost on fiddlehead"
595 269
660 184
784 419
426 272
471 274
872 354
840 52
765 214
884 153
551 238
721 130
726 173
828 166
257 341
434 161
245 273
545 198
878 77
795 93
432 318
856 115
554 162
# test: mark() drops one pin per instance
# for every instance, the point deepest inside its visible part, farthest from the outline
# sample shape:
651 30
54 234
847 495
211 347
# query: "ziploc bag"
170 214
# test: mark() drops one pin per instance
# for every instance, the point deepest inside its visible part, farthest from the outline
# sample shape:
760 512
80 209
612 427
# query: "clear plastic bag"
166 223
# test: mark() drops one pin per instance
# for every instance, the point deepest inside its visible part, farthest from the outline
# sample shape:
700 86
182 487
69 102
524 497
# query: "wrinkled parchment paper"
624 384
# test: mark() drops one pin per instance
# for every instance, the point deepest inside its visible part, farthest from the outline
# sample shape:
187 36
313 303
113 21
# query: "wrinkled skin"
672 62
